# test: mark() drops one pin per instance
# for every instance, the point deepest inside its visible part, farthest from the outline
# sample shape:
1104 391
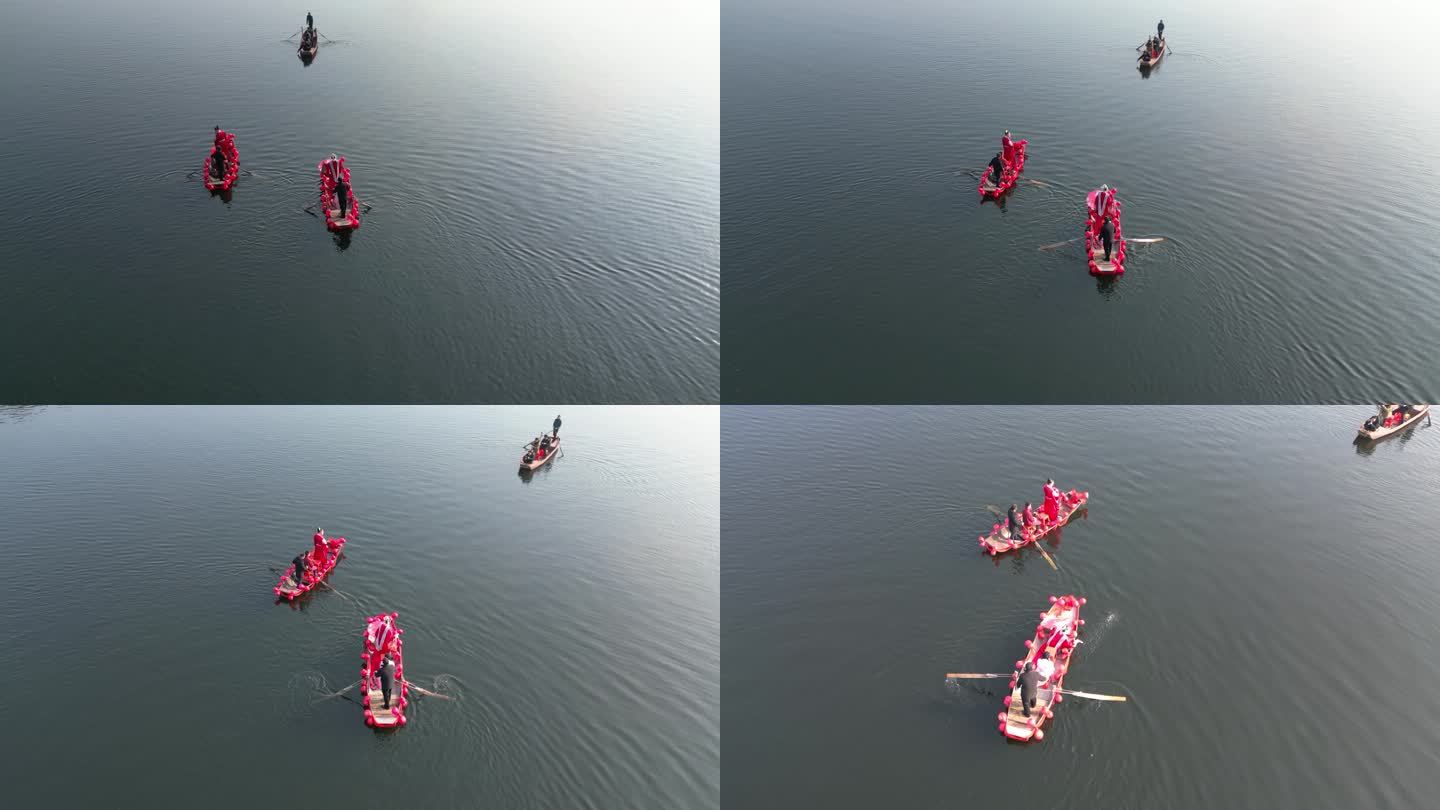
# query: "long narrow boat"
1000 540
232 164
289 589
328 175
1380 430
383 636
1055 634
1008 178
1150 59
530 462
1094 249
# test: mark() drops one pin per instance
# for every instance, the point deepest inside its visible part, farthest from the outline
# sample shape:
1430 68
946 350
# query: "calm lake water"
575 613
544 175
1288 159
1261 588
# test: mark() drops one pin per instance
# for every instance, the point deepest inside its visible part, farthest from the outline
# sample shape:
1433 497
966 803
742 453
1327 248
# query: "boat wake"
1095 632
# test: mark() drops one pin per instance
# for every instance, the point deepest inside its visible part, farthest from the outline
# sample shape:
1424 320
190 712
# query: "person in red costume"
1104 198
1010 150
1028 516
384 639
322 548
1052 500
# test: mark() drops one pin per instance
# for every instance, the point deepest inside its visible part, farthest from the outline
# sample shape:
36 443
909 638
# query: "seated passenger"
1046 667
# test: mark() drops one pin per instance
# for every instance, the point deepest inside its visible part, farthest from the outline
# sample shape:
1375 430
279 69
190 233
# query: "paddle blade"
1059 244
1093 696
1147 240
1047 557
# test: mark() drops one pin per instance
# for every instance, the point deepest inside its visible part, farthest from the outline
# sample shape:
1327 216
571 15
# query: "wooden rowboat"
290 590
1146 62
1381 432
999 540
534 463
373 698
1014 724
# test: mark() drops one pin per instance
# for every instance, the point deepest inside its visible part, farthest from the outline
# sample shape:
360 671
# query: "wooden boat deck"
384 716
1017 725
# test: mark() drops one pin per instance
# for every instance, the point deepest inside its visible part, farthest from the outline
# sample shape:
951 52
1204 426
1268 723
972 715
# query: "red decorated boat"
226 144
1056 634
289 589
1008 178
383 635
1096 210
1001 540
331 169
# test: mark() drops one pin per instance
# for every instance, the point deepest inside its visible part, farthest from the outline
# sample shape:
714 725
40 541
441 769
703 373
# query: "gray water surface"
573 613
1261 588
1291 166
545 181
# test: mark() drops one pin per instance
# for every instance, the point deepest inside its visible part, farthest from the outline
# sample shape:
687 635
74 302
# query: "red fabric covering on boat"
330 170
314 574
1099 207
1000 541
1014 165
382 635
225 141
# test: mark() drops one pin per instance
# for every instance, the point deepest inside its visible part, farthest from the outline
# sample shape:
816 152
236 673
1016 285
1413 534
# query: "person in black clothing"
299 563
310 22
387 678
555 427
1160 30
1029 685
217 164
1107 237
1012 521
342 196
997 168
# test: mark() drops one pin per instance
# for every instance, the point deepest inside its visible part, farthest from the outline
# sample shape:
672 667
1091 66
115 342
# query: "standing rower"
1028 683
555 427
997 168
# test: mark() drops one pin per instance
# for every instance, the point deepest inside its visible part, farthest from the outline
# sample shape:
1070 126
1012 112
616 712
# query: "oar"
322 36
977 675
1146 240
307 209
341 693
428 693
1059 244
1093 696
337 590
1046 555
1036 542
